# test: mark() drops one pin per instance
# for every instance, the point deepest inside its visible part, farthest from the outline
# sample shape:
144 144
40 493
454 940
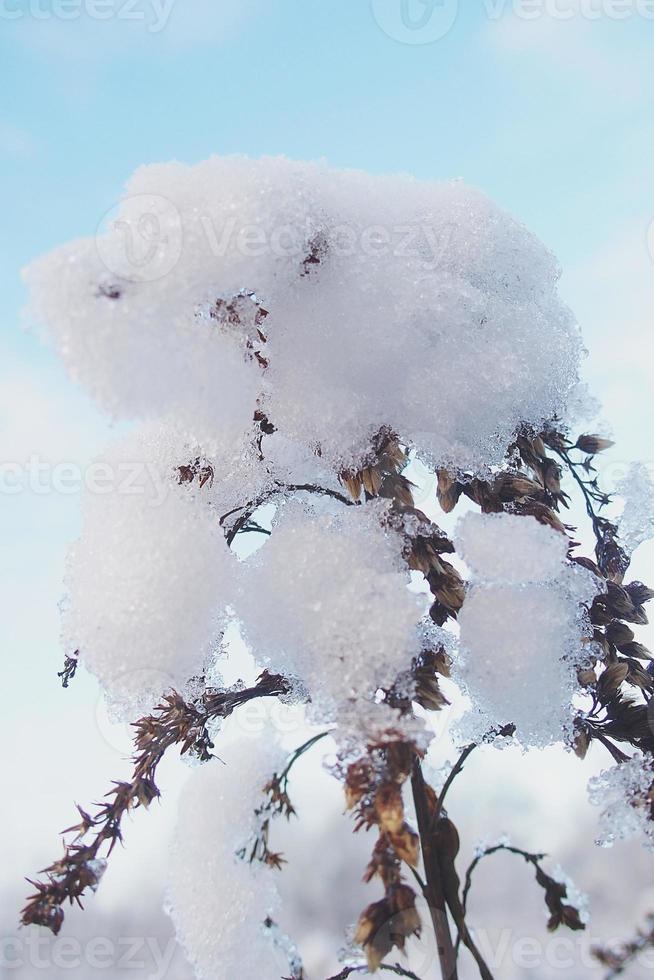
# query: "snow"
329 304
149 580
636 523
510 549
218 901
623 795
522 627
389 301
365 723
578 899
344 620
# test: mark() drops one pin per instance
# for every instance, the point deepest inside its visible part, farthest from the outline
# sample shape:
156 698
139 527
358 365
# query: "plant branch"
456 769
173 722
69 669
555 891
617 755
277 803
434 891
505 732
611 558
247 510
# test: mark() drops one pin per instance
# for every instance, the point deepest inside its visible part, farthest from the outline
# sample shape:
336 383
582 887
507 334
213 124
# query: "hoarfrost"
578 899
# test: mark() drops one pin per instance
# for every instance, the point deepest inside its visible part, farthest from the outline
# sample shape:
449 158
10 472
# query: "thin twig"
300 751
71 664
248 509
486 853
555 891
611 557
396 969
277 803
456 769
505 732
616 753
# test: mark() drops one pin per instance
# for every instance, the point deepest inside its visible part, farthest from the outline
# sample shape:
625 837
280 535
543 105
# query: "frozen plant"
286 340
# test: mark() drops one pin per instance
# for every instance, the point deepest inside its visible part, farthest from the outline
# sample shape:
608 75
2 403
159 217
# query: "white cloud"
581 50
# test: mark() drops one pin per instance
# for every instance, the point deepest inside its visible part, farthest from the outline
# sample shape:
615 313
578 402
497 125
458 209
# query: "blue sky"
550 116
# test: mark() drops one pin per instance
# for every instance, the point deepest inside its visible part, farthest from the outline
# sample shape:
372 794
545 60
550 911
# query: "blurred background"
546 106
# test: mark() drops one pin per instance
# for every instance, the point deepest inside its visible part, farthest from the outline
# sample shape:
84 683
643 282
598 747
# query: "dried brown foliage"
377 780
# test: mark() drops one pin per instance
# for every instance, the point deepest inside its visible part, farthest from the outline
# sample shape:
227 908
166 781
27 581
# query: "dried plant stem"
69 670
434 892
277 803
300 751
617 755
